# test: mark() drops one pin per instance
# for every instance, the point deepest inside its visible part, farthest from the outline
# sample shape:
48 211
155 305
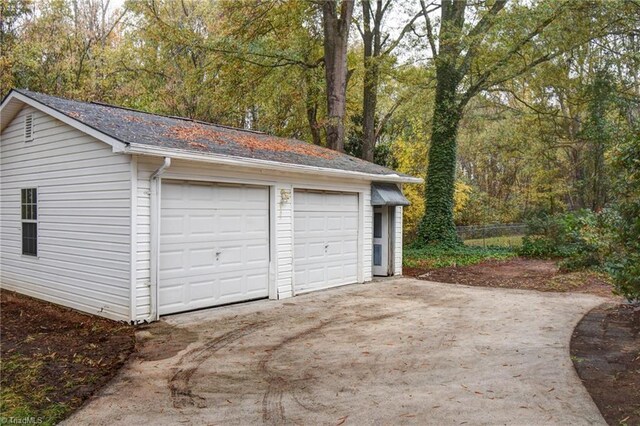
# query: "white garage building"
132 215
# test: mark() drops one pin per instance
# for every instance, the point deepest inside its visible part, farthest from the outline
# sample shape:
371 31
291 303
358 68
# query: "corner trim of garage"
273 255
155 186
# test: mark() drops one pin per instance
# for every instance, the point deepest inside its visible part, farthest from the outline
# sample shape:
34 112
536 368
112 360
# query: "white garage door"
214 245
325 239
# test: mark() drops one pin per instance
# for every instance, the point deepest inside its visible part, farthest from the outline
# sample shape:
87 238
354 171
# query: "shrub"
582 239
545 237
624 262
435 256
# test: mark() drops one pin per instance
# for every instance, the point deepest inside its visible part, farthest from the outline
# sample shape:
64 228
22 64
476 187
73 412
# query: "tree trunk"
371 42
437 225
369 103
336 35
312 118
311 106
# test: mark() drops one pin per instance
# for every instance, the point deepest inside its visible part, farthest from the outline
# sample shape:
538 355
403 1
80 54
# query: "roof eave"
253 163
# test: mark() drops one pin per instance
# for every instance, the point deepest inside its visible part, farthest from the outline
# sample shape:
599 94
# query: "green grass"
440 257
507 241
23 398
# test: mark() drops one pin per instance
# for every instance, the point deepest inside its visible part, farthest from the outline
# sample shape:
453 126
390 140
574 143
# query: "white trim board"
253 163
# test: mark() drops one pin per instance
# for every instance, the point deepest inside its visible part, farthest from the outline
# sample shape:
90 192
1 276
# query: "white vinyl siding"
284 240
84 210
367 240
143 241
397 261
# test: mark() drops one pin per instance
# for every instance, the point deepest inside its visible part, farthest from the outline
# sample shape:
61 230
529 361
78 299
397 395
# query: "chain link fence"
500 234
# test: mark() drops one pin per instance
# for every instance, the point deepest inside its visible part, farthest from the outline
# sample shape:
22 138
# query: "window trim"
31 221
29 123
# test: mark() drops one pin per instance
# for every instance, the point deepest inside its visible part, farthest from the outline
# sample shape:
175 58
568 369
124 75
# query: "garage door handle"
218 253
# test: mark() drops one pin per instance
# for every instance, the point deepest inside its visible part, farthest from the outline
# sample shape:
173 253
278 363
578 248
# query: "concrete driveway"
393 351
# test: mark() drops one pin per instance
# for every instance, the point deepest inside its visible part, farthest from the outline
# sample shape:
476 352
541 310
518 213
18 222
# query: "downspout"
155 194
165 165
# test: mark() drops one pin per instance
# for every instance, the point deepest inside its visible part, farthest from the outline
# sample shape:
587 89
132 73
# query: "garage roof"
145 132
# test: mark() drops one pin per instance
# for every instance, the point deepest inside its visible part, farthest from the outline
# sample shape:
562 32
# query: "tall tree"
378 45
62 47
12 14
336 21
480 45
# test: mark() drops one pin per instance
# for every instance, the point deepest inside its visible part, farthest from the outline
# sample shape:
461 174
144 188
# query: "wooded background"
518 104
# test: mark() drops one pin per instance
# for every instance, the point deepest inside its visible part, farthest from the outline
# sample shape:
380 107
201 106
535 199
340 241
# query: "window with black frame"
29 206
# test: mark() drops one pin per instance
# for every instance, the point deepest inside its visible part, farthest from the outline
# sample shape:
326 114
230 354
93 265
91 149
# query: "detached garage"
132 215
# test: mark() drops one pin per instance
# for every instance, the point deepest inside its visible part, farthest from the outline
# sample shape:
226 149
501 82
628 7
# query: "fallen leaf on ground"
341 420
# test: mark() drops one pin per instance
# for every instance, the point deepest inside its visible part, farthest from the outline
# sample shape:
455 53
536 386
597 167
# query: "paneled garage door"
325 239
214 245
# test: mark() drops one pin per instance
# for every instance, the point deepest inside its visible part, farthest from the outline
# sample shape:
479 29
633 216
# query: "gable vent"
28 127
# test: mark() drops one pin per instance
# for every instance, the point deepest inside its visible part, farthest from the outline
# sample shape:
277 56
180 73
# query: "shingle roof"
138 127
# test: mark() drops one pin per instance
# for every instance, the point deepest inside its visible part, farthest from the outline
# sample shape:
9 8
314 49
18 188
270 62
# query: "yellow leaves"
461 196
411 158
413 213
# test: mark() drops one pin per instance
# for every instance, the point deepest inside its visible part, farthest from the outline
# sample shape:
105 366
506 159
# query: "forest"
511 111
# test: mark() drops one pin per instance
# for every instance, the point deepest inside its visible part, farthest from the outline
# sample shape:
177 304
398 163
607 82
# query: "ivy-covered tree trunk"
437 225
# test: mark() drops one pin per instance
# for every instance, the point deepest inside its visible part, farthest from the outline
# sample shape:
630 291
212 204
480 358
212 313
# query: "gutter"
155 196
141 149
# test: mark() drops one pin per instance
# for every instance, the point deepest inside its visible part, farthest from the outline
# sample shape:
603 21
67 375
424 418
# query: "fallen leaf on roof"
194 133
134 119
198 133
197 145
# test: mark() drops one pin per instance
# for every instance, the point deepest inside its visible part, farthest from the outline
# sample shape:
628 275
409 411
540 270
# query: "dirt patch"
605 348
54 358
181 392
161 340
527 274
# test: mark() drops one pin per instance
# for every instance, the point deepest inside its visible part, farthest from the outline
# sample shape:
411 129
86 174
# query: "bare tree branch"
404 32
480 28
359 28
484 77
430 37
387 116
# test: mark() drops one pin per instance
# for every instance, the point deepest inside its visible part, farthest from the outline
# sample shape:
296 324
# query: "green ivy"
437 225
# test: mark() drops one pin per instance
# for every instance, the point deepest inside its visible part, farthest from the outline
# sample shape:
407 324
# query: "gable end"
15 101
